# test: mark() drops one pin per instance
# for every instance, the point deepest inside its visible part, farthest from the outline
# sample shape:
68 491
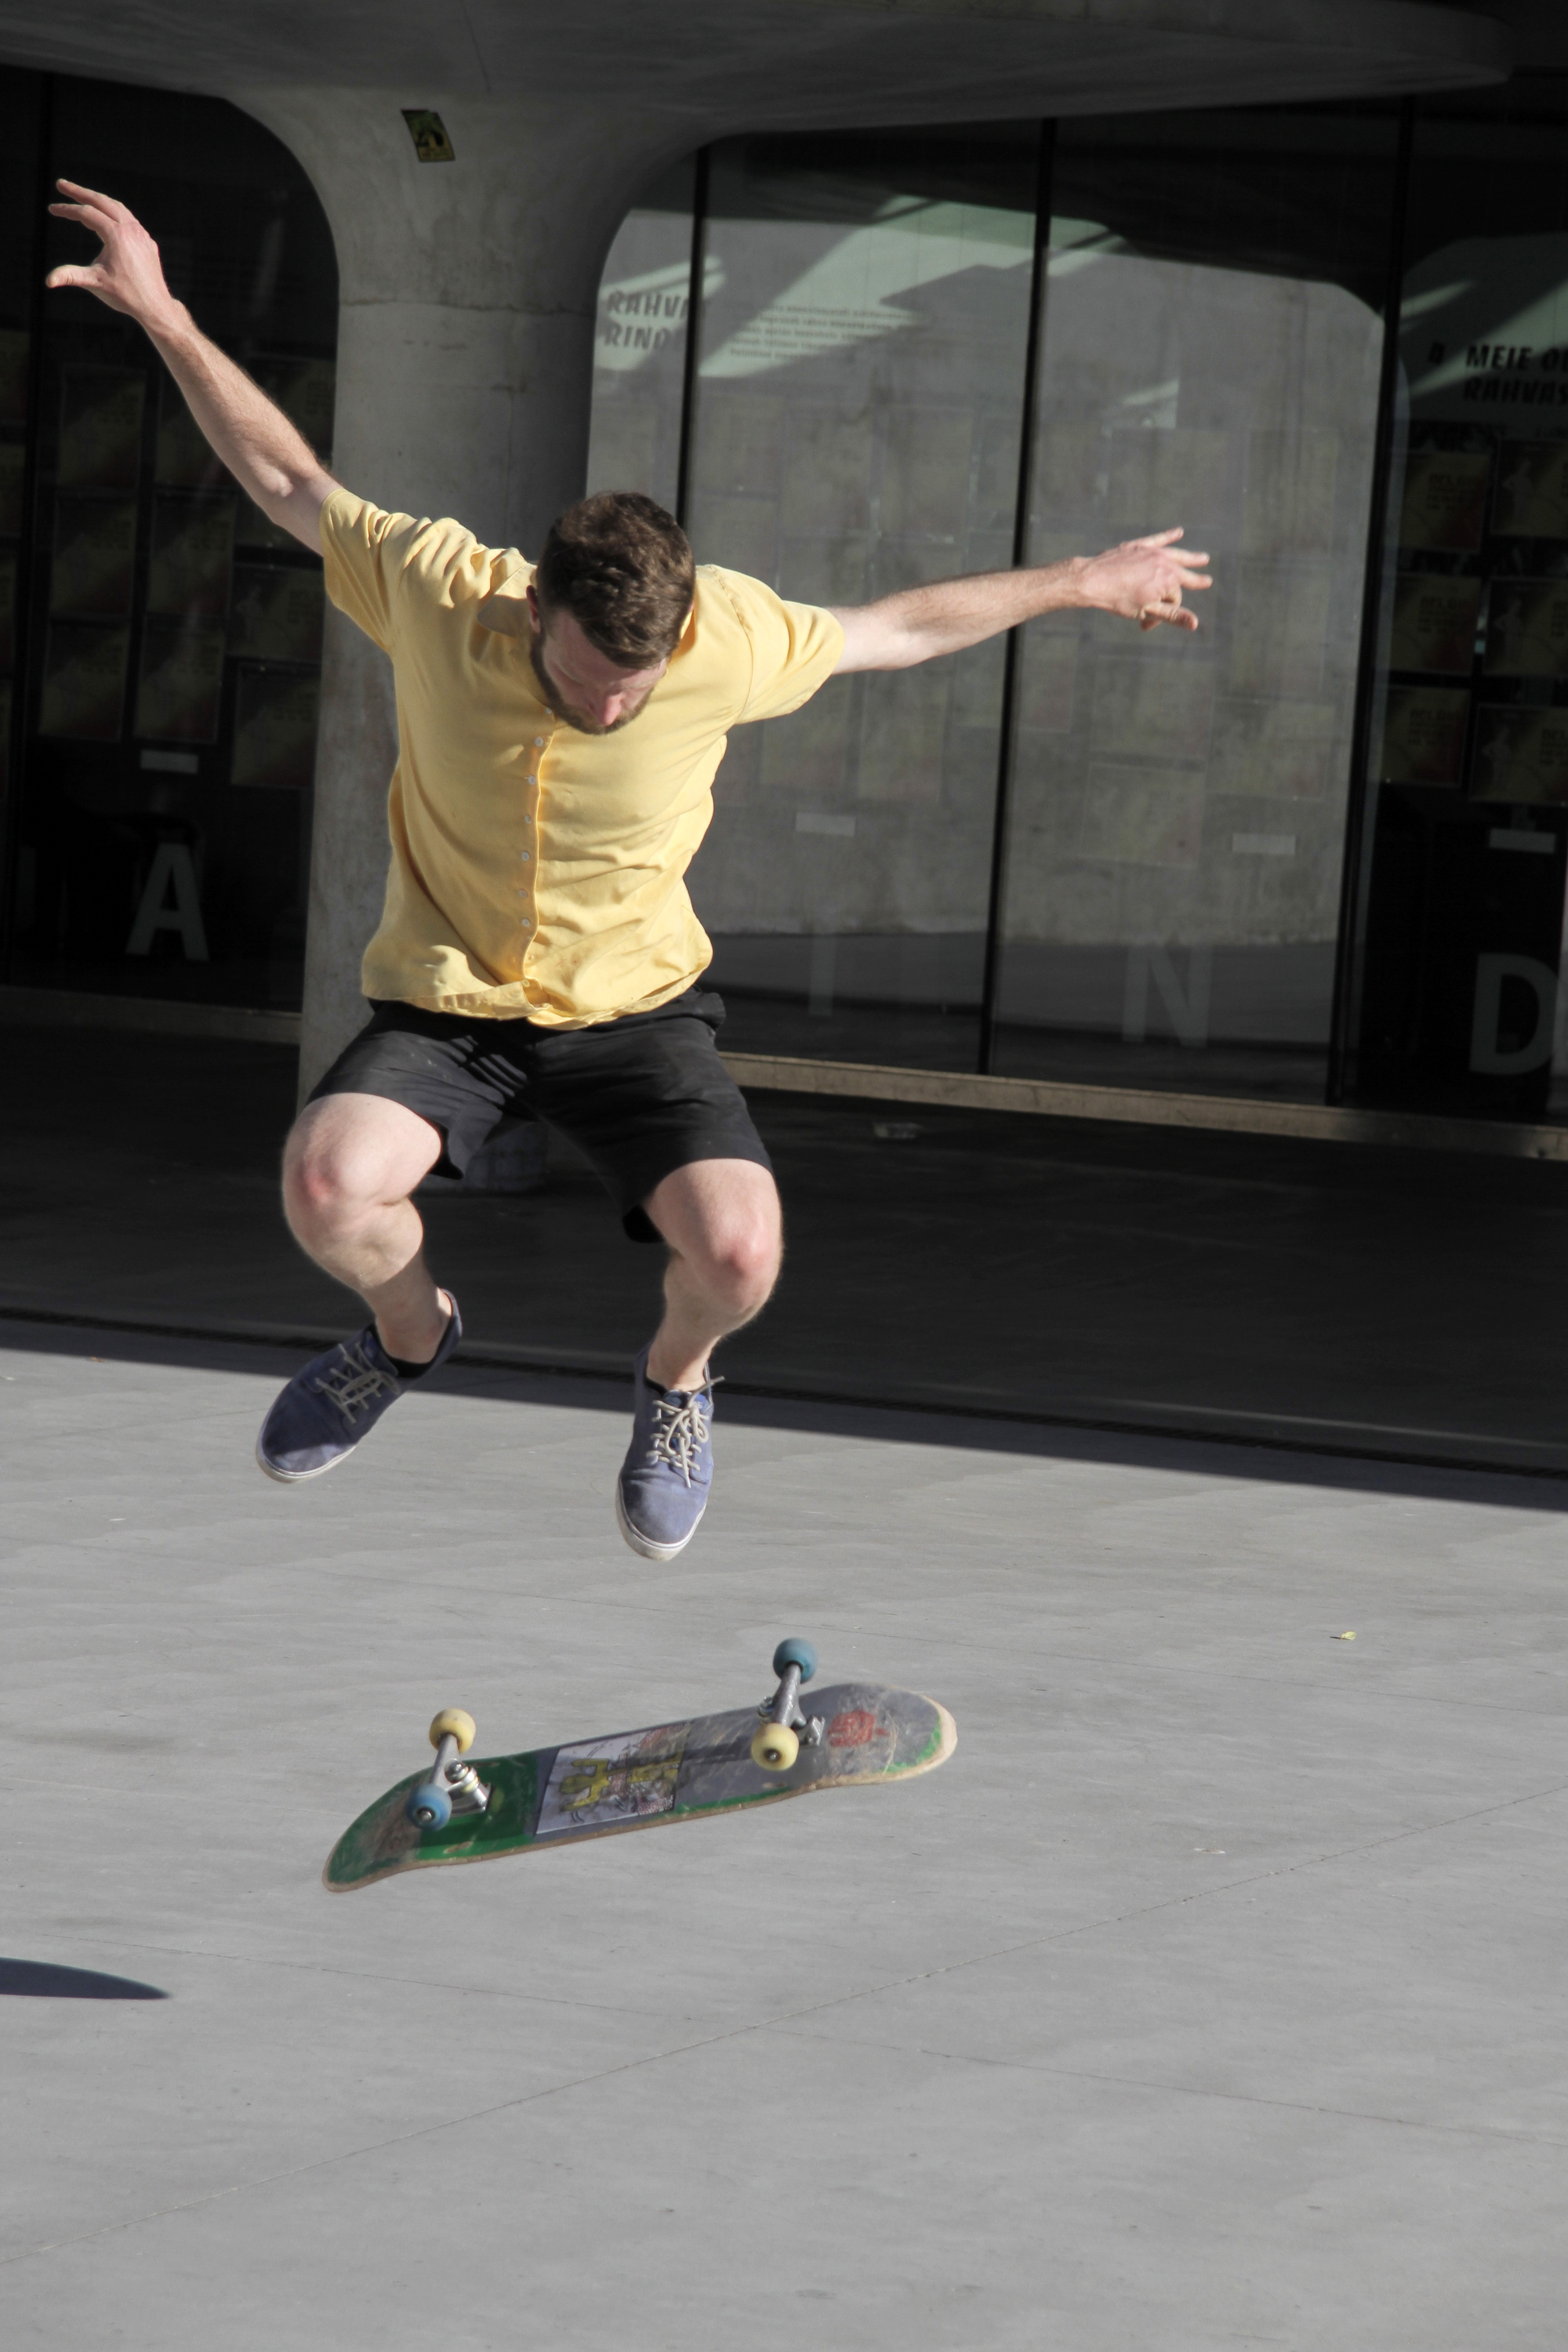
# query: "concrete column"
468 292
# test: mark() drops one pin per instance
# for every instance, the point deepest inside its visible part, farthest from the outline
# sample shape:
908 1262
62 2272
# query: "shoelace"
357 1385
680 1431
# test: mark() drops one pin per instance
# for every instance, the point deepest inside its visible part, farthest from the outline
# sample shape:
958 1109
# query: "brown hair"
623 569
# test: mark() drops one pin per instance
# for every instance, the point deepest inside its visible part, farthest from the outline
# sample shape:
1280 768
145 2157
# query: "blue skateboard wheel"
429 1808
794 1653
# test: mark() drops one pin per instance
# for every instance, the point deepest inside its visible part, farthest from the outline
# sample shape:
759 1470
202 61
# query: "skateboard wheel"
775 1746
461 1725
430 1808
794 1653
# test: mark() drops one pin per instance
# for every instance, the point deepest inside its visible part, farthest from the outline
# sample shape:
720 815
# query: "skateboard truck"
777 1741
453 1787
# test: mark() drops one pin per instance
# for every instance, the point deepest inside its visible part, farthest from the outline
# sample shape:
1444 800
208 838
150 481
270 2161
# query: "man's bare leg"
723 1222
348 1169
720 1218
349 1166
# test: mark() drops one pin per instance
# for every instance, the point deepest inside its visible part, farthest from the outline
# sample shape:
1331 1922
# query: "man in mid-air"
559 730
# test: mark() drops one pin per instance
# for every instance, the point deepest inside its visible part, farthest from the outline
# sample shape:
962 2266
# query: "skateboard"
463 1811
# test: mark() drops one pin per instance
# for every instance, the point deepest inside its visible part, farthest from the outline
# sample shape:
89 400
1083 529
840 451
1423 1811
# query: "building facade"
1316 853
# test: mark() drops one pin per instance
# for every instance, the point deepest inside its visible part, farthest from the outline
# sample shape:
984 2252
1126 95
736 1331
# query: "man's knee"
351 1153
722 1218
318 1176
336 1166
742 1257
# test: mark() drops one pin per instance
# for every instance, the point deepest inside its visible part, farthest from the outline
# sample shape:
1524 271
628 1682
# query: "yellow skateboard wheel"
774 1747
461 1725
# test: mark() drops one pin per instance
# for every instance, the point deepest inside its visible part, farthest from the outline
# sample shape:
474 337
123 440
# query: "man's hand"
1143 581
269 459
128 274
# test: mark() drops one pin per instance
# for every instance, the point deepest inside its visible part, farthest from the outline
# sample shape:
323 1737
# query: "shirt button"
525 857
539 742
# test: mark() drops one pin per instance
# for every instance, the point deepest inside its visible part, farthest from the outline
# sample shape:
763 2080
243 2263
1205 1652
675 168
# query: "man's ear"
534 614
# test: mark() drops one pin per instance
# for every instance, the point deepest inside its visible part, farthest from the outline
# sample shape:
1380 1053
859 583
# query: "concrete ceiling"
718 65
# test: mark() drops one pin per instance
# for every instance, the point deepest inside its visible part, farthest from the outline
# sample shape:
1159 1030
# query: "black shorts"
639 1096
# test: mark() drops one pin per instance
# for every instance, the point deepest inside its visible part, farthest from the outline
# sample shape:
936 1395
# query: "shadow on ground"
1395 1304
43 1981
1044 1441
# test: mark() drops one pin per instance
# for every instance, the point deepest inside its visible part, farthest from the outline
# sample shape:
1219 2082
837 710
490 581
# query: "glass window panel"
1210 355
161 677
639 350
1458 916
855 432
22 95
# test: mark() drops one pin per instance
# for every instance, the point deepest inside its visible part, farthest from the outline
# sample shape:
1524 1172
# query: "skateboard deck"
636 1779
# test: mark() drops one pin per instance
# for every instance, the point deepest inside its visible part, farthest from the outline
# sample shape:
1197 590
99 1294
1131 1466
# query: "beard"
579 719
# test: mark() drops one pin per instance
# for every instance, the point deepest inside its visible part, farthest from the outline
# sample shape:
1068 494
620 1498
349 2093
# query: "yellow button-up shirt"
537 873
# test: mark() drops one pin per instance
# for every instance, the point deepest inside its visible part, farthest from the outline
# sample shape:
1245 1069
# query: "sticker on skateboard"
465 1811
604 1784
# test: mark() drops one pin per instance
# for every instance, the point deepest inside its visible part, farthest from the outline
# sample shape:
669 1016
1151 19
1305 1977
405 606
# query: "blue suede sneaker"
325 1410
662 1491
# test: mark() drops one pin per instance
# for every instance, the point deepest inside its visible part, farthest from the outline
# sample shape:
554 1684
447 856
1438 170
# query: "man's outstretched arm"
248 431
1143 581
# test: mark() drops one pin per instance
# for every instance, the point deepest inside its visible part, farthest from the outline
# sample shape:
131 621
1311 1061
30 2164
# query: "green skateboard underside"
636 1779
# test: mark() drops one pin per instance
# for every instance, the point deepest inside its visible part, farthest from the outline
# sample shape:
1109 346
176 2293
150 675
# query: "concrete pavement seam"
1169 1903
738 2032
921 1976
1183 2090
374 2148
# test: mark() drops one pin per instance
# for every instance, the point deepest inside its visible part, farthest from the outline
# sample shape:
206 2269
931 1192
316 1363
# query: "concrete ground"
1212 1995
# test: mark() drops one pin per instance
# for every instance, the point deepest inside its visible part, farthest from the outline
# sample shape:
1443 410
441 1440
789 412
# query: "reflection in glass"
192 556
855 432
134 865
274 730
94 557
16 350
277 613
640 347
1458 907
22 96
13 465
84 682
179 689
1210 353
99 444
